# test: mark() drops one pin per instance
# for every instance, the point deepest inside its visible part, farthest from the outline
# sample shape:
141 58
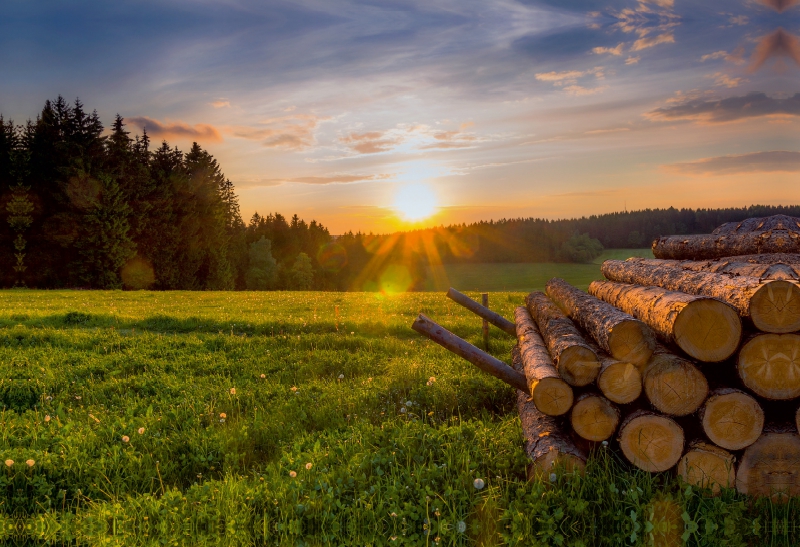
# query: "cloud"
712 56
295 132
568 80
220 103
736 56
779 5
559 78
777 44
176 130
612 50
752 105
341 178
646 42
370 142
724 80
632 60
755 162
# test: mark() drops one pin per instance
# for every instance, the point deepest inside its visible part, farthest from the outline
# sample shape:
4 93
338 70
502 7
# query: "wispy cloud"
294 132
342 178
220 103
176 130
611 50
651 41
568 80
371 142
732 109
724 80
755 162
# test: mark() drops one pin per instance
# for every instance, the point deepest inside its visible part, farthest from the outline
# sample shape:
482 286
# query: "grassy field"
524 277
140 418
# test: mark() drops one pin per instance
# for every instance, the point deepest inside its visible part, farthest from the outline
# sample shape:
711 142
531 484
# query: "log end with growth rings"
594 418
631 341
708 466
769 364
708 330
775 307
578 365
732 419
650 441
620 382
770 467
552 396
673 385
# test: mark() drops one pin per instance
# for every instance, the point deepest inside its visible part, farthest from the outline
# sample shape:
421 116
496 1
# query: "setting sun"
415 202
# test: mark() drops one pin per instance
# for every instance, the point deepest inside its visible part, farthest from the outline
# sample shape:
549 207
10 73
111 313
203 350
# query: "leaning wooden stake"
623 336
769 467
773 306
707 329
769 364
482 311
573 356
550 393
462 348
547 444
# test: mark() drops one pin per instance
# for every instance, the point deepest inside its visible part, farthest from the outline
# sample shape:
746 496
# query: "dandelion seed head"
553 477
478 484
341 376
461 527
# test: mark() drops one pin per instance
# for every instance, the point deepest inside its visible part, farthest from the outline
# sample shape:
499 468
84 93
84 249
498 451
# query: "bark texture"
770 467
705 328
651 441
547 442
482 311
594 417
674 385
775 234
773 306
708 466
624 337
550 393
732 418
769 365
574 359
792 259
766 269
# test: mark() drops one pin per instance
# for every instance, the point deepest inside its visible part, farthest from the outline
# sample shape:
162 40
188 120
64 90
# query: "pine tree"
263 270
302 274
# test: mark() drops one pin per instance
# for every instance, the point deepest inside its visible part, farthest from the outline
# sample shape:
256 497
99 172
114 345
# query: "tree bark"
574 359
760 266
547 443
651 441
674 385
462 348
769 467
769 365
705 328
792 259
708 466
731 418
773 306
620 381
482 311
594 417
550 393
776 234
622 336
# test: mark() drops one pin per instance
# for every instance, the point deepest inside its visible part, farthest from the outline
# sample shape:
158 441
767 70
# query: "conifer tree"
302 273
262 272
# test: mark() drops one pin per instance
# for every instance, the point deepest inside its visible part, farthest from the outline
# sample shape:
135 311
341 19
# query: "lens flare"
415 202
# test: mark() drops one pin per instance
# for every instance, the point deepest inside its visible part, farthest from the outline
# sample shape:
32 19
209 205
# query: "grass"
521 276
297 418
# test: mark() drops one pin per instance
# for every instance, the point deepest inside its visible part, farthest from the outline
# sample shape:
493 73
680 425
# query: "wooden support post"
481 311
485 302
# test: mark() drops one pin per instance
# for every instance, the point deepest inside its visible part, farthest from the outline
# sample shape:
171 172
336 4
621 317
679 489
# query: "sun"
415 202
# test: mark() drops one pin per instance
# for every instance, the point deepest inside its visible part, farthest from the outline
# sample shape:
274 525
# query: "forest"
86 207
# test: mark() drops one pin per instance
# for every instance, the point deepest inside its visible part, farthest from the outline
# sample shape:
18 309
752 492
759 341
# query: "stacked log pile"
687 362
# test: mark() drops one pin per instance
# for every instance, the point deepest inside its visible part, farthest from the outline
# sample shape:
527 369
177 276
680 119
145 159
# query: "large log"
576 362
624 337
769 365
770 467
707 466
547 443
674 385
620 381
766 269
651 441
593 417
792 259
462 348
773 306
731 418
775 234
482 311
550 393
705 328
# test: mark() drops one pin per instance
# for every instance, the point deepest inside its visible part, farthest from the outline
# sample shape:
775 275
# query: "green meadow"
298 418
523 277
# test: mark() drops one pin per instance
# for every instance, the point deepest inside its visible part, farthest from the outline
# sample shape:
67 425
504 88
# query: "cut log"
462 348
770 467
620 381
773 306
482 311
651 441
550 393
574 359
769 364
775 234
705 328
624 337
593 417
708 466
732 419
792 259
674 385
737 266
547 443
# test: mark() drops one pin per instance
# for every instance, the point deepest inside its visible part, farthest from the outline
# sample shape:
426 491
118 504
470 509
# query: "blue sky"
500 109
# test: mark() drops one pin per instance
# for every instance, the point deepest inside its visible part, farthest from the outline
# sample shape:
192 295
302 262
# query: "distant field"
521 277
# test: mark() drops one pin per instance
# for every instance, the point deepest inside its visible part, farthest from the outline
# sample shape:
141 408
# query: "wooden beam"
481 311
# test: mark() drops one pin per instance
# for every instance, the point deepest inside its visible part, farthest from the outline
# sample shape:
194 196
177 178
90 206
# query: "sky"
350 112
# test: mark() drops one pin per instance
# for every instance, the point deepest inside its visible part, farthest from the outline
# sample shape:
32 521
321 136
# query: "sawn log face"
769 364
771 466
651 441
732 418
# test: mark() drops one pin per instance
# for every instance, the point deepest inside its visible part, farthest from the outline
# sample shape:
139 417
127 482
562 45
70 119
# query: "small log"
674 385
620 381
624 337
769 365
772 306
482 311
775 234
462 348
573 356
705 328
547 443
731 418
708 466
770 467
593 417
651 441
550 393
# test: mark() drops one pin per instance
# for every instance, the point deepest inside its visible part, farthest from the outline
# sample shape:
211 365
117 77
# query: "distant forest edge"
80 208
